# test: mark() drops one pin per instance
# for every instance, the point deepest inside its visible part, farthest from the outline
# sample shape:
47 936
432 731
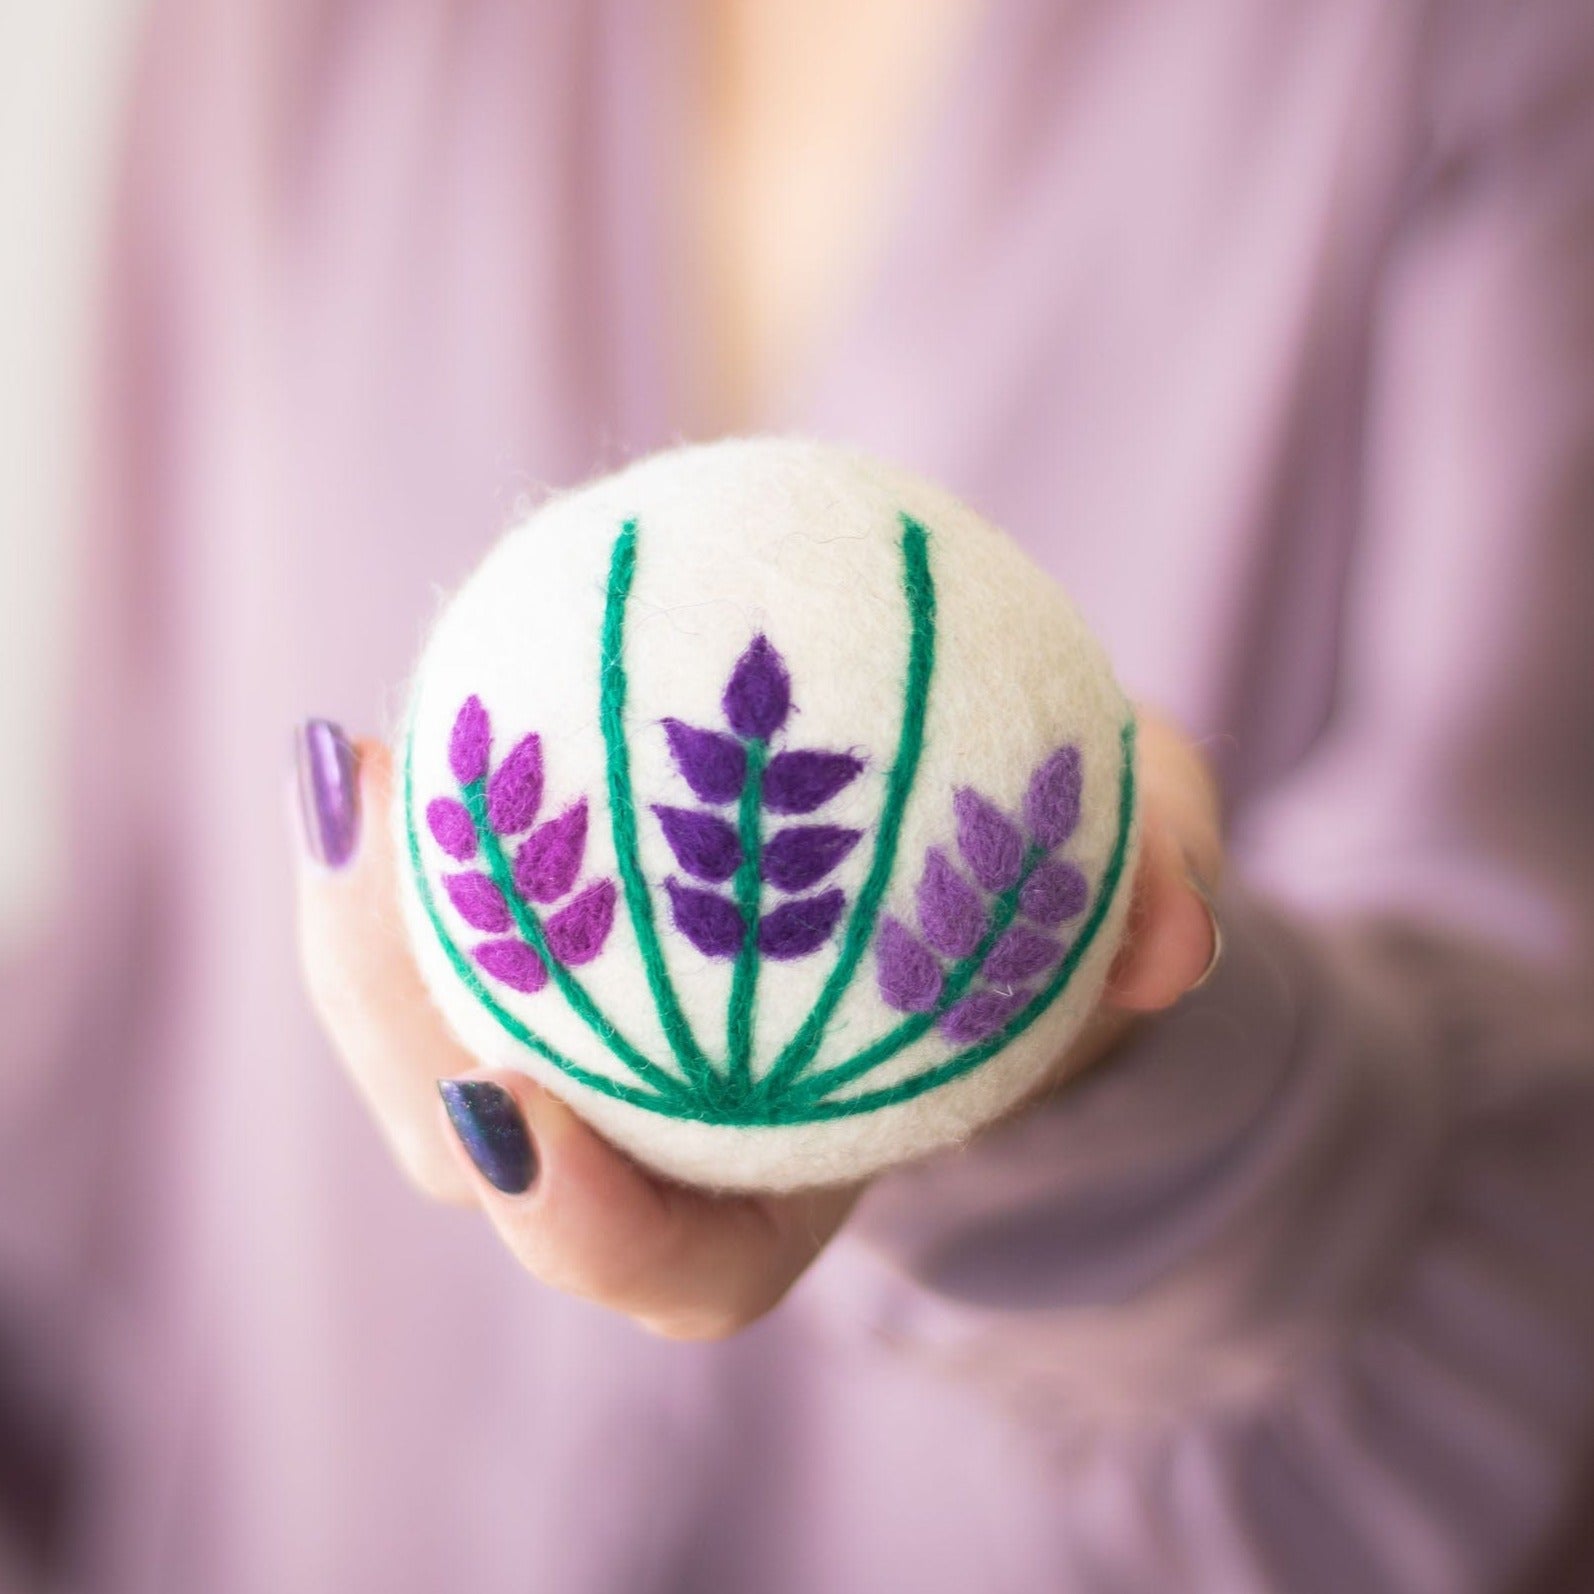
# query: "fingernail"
491 1129
329 792
1199 887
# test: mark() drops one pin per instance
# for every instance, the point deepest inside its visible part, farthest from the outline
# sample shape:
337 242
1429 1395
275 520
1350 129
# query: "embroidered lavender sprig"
736 766
495 806
982 943
721 768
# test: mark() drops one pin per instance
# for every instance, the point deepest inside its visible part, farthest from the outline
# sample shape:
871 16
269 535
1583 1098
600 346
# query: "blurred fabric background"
63 80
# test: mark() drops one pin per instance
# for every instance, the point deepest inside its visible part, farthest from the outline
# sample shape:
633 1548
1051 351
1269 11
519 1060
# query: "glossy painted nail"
1197 885
492 1131
328 772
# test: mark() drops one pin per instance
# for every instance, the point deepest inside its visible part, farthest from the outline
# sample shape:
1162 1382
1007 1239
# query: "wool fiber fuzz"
769 807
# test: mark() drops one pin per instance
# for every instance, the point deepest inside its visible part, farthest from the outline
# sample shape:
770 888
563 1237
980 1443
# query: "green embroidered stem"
749 891
508 1022
944 1073
959 977
530 926
622 814
919 588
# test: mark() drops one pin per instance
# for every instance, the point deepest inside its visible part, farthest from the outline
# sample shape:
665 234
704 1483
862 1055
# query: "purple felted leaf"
758 696
1054 892
800 782
951 911
797 928
577 932
1051 805
449 821
802 855
704 844
470 742
1019 954
978 1017
477 901
514 794
713 764
907 972
706 919
514 964
989 841
550 857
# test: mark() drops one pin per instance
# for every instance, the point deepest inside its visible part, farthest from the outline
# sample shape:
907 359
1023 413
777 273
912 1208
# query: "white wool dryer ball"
770 808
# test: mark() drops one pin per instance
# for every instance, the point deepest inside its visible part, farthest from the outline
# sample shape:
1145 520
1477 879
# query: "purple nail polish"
329 792
492 1131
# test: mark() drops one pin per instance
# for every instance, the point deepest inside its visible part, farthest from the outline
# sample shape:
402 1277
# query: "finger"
357 965
585 1219
1171 935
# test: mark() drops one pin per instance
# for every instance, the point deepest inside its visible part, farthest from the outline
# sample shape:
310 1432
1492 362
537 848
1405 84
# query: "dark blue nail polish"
329 792
491 1129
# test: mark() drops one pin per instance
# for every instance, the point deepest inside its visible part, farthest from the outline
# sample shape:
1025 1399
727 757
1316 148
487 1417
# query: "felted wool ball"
769 807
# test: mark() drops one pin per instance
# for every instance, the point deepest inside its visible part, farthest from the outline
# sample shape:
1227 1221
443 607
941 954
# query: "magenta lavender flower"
470 743
550 857
514 794
502 898
452 828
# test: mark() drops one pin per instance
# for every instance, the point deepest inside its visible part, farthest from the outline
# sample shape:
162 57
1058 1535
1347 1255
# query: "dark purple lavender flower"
758 696
799 782
1051 806
470 742
550 857
989 841
712 764
802 855
514 964
449 821
710 922
514 794
797 928
907 972
704 844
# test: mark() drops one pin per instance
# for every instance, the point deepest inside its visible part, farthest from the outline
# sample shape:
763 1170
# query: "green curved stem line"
919 587
812 1087
529 923
749 891
622 817
972 1057
462 966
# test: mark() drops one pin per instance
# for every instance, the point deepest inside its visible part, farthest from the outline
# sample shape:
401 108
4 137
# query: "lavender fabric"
1265 325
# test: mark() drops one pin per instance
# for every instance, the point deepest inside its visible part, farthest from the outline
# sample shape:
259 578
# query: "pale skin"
781 118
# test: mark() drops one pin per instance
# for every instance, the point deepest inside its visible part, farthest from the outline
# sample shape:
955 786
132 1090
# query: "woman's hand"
577 1213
